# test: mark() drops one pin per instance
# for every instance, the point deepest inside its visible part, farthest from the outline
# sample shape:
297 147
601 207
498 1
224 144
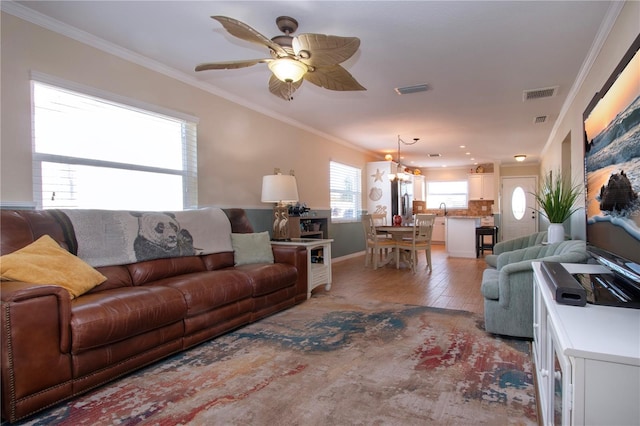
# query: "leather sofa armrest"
296 256
35 339
54 301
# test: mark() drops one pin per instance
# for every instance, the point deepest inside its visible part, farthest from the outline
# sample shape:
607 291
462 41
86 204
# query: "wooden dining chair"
376 244
380 219
420 239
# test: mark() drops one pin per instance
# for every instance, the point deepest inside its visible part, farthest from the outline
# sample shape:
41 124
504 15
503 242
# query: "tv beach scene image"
612 155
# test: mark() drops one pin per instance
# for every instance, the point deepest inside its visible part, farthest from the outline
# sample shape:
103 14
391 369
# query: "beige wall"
236 146
625 30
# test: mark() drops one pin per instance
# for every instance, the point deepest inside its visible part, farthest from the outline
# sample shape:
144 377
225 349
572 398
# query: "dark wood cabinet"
308 227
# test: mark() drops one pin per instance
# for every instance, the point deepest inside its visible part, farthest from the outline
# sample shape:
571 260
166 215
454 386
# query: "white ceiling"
478 57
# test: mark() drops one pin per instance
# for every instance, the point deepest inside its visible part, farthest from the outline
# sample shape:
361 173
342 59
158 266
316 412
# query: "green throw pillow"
252 248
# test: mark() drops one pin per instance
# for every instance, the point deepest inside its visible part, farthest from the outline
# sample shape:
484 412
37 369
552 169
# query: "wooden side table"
318 260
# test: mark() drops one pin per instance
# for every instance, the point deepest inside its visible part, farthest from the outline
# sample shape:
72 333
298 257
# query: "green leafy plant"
556 198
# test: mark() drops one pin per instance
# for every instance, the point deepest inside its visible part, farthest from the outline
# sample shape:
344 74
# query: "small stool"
481 231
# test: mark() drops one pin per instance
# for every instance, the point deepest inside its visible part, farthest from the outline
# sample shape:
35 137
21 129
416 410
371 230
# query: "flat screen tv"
612 169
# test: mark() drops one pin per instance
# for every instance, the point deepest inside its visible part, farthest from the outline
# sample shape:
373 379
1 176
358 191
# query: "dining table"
397 232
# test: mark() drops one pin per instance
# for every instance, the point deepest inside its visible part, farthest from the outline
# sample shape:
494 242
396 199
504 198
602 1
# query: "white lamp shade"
287 69
279 189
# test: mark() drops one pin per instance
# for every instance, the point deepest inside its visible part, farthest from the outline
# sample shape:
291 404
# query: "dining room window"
345 190
454 194
103 152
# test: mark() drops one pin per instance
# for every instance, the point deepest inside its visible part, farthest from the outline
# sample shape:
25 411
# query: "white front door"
519 216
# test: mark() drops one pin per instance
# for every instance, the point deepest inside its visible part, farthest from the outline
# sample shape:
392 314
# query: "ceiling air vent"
435 155
540 119
546 92
412 89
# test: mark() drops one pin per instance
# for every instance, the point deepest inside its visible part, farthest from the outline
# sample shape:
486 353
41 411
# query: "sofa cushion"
490 288
45 262
204 291
105 317
252 248
267 278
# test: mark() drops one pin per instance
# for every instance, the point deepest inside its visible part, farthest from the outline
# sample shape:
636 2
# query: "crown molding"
605 28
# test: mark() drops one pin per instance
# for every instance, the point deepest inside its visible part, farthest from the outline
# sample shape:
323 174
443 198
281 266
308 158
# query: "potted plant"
556 199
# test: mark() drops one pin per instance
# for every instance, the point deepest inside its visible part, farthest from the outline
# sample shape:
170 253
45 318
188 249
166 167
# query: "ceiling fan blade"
320 50
333 77
245 32
281 89
230 65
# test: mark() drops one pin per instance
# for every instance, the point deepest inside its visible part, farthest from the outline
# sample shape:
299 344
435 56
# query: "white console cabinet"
587 358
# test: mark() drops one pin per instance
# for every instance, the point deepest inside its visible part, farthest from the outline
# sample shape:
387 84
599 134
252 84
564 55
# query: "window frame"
355 193
449 205
189 123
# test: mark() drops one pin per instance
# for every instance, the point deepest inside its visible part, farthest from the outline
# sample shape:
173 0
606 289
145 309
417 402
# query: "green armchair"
508 289
515 244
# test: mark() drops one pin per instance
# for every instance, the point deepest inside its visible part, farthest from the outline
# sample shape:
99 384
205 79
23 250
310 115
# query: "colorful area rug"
327 362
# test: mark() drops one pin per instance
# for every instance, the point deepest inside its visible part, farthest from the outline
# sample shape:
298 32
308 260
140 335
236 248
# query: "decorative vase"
555 233
397 220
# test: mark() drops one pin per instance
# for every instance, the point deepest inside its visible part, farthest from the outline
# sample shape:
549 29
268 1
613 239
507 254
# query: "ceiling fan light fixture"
288 70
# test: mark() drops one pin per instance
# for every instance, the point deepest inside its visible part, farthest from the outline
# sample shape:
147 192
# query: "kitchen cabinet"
461 236
439 230
481 186
419 188
587 358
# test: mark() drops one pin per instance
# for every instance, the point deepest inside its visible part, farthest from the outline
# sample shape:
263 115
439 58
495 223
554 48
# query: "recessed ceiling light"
444 165
467 153
472 159
463 146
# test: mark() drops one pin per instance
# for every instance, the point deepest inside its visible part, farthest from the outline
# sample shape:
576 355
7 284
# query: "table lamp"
280 189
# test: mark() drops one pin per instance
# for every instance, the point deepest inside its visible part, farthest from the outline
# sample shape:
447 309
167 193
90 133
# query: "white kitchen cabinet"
419 188
587 358
439 230
461 236
481 186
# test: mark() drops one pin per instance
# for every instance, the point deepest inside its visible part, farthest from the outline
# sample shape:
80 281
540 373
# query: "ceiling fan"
312 57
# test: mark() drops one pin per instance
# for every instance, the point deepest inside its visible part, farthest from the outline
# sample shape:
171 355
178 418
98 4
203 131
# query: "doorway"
519 217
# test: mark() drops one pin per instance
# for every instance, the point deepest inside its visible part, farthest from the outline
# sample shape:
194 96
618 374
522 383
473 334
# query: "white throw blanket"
110 237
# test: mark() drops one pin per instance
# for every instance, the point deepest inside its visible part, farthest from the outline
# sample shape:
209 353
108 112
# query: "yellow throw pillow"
45 262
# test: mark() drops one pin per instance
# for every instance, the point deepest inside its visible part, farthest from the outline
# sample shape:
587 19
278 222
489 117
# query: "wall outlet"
484 208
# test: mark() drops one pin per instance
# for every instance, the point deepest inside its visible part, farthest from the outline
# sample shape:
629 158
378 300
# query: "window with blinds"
345 192
454 194
94 153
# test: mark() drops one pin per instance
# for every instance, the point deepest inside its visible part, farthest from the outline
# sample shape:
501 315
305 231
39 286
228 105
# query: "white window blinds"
345 192
91 152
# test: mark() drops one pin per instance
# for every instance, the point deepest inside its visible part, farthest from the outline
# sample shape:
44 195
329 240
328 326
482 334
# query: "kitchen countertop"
465 217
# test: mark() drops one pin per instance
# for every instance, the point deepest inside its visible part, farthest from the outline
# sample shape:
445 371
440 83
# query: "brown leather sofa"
54 347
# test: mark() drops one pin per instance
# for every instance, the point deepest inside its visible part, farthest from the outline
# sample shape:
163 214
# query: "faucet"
445 208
